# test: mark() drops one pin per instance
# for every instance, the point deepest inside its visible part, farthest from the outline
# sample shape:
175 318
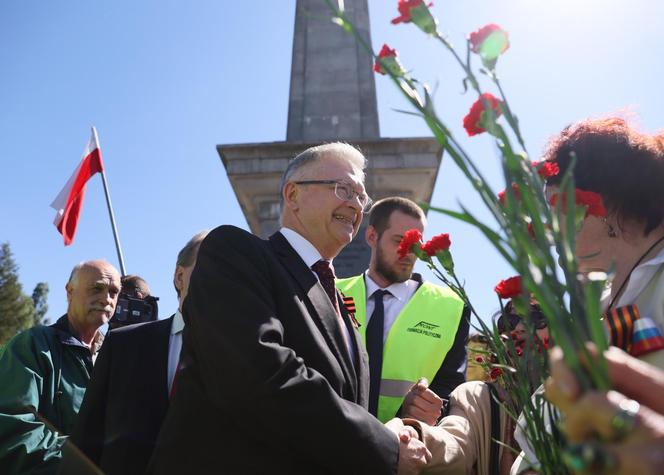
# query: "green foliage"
17 310
39 296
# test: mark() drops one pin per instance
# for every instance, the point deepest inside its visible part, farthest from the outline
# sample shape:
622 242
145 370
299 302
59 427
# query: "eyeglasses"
344 191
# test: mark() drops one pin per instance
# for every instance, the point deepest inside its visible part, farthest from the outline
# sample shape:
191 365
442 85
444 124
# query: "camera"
131 309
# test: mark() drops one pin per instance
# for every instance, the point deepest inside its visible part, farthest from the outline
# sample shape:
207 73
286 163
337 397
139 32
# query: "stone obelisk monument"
332 97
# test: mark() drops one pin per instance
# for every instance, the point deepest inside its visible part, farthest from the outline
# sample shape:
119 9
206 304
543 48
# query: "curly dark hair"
624 166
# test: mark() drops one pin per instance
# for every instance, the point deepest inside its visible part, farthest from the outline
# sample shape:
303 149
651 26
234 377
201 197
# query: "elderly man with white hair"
274 378
44 372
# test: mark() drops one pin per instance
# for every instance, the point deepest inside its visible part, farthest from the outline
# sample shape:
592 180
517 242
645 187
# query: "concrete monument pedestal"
332 98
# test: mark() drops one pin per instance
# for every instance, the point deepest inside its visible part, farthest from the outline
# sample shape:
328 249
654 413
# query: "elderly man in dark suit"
128 395
274 378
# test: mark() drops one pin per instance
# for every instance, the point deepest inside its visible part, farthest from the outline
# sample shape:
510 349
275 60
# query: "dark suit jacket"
126 400
266 384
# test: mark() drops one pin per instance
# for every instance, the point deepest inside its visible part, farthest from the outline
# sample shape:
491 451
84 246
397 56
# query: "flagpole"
110 213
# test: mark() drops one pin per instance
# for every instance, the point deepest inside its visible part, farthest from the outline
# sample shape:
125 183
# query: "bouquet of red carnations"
527 226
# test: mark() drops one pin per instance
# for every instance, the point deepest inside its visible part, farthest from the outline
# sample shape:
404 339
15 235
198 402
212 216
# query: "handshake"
424 405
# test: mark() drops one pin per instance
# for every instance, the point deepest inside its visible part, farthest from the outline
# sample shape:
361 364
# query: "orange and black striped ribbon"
349 303
620 322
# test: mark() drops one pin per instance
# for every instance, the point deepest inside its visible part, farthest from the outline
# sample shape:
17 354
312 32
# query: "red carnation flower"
495 373
473 122
546 169
515 188
508 288
437 243
489 42
542 345
409 239
416 11
591 200
387 61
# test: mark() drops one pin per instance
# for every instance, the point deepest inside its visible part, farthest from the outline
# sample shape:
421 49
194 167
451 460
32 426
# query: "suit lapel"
321 309
361 362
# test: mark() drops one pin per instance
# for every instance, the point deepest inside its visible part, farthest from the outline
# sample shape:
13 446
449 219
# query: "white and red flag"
69 201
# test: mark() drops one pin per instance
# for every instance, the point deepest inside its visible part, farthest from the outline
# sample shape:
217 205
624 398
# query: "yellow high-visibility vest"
417 342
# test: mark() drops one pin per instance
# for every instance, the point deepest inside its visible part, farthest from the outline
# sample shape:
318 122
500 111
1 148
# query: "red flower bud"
546 169
479 359
437 243
542 345
489 42
591 200
409 239
387 61
474 120
495 373
515 189
417 12
508 288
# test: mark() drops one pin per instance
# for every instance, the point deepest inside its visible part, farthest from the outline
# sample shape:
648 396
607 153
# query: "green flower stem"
511 118
533 260
465 66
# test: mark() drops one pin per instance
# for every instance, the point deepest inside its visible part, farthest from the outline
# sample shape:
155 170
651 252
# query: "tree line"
18 311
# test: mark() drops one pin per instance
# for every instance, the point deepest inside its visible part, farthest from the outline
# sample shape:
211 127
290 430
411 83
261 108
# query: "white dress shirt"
393 303
174 347
310 255
640 278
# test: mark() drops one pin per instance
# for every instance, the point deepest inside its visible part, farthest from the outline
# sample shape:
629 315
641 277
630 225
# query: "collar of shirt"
67 336
178 323
307 252
400 290
640 278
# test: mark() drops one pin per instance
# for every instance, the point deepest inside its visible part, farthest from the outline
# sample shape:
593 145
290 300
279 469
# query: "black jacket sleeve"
238 333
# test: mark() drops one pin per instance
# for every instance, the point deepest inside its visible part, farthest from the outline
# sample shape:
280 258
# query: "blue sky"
165 81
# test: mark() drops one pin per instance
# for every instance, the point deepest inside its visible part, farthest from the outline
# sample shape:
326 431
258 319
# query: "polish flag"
68 203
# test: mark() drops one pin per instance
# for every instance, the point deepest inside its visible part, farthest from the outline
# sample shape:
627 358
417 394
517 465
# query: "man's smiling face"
327 221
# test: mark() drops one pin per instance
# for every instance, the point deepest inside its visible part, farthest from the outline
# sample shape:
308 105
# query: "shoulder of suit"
231 236
140 329
228 231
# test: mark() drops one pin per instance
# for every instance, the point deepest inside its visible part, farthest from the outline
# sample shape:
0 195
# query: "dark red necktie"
325 273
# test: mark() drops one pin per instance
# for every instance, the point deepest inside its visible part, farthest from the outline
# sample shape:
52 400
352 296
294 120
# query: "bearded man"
414 331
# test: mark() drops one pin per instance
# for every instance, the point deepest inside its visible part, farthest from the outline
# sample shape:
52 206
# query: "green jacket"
43 375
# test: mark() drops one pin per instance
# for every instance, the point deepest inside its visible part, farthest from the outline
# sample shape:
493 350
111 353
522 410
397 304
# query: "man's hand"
403 432
413 455
422 403
607 429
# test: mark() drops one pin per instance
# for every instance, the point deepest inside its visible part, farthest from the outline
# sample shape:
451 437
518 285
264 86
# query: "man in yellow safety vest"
414 331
